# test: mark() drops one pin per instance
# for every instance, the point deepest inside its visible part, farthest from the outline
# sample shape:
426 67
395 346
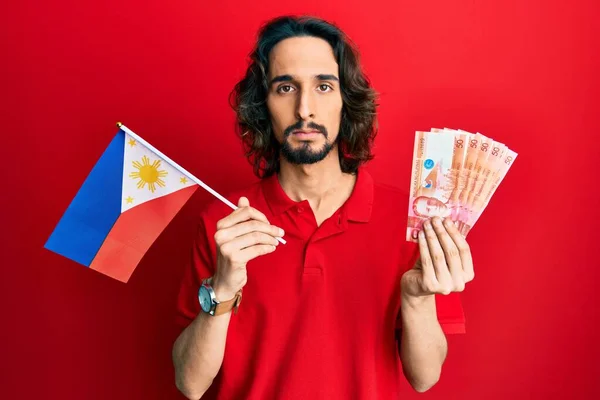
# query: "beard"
305 154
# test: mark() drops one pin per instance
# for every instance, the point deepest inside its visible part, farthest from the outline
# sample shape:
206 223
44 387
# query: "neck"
323 184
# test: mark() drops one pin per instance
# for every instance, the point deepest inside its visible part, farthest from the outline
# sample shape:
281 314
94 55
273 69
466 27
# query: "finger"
250 253
226 235
429 278
437 254
247 240
465 230
453 260
461 228
464 252
243 202
241 214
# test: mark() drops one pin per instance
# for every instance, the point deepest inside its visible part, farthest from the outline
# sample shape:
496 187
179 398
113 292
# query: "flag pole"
181 169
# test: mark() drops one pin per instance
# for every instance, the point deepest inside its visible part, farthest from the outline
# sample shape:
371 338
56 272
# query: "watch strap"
223 307
226 306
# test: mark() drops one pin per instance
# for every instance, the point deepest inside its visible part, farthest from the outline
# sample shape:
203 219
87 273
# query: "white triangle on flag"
146 176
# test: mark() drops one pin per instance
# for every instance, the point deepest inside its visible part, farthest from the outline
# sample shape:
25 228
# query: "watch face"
204 298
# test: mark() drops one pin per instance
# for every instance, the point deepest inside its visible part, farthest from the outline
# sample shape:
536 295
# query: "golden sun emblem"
148 174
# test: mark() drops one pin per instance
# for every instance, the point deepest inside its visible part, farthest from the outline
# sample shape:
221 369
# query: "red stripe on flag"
134 232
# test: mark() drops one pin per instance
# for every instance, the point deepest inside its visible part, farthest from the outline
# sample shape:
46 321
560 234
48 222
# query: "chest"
345 269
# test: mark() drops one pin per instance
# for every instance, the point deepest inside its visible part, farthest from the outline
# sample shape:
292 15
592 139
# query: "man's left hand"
445 264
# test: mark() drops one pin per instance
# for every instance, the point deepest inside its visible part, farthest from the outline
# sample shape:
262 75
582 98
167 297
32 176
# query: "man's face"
430 207
304 98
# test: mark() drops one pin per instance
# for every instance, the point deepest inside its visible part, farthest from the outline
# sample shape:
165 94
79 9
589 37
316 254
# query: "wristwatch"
210 304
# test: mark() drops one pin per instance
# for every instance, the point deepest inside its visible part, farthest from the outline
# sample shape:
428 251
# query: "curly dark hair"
248 98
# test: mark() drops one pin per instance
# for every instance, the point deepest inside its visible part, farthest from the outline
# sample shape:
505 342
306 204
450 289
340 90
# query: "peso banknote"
480 202
454 175
431 182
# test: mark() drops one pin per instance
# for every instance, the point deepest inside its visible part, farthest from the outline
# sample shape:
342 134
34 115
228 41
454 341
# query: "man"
430 207
320 313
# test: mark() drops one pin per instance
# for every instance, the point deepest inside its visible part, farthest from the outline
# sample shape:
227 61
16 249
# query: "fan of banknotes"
454 175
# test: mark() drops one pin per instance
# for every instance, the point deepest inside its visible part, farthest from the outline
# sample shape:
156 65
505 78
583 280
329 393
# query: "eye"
284 89
323 87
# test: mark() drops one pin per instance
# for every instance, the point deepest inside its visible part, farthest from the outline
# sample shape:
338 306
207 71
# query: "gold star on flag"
183 180
131 142
129 200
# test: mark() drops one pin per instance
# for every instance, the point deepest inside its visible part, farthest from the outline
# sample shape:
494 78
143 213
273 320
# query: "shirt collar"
357 208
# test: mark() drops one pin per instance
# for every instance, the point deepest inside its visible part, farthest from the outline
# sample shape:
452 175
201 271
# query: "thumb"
243 202
412 282
418 264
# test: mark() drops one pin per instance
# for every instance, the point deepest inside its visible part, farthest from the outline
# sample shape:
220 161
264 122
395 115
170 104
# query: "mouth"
306 134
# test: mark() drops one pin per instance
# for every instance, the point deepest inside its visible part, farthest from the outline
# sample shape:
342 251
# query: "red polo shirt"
319 314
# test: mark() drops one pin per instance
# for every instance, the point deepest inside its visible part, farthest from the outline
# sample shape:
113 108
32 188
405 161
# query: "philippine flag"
127 200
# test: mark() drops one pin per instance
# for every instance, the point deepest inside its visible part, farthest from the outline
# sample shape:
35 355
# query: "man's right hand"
241 236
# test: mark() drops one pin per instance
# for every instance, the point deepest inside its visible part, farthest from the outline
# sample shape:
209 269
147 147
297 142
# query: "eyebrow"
289 78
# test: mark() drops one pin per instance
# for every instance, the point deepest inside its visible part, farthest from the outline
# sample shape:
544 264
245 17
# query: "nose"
305 108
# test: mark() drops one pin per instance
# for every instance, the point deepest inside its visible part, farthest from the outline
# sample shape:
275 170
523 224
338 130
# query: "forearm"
198 353
423 345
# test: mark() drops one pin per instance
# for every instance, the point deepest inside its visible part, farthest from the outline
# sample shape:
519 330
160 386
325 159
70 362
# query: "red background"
523 72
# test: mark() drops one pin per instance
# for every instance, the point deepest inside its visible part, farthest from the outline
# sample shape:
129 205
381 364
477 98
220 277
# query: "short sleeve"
449 307
201 265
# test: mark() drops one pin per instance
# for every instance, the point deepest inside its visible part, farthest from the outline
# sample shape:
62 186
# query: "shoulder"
386 191
390 215
390 204
389 197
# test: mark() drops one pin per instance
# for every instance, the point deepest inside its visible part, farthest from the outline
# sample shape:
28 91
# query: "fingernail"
437 222
281 232
427 225
421 234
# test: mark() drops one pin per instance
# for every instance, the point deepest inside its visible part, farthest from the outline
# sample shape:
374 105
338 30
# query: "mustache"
299 125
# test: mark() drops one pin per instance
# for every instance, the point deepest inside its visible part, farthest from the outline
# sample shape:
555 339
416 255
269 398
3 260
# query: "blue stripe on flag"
96 206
